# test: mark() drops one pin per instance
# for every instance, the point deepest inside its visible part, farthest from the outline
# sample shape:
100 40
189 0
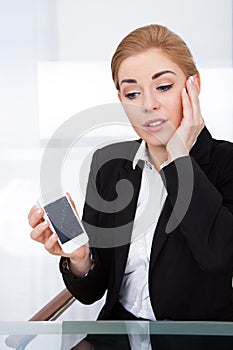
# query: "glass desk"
114 335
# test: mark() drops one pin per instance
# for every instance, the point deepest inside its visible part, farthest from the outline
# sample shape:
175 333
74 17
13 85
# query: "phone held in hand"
66 223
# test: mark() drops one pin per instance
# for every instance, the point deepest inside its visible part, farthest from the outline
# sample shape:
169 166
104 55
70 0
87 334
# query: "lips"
155 124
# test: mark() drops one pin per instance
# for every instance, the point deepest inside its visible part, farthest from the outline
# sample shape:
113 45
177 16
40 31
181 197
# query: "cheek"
176 110
134 113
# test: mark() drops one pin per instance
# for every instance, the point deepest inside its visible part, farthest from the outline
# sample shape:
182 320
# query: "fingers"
187 108
191 124
53 247
190 99
191 103
41 232
72 202
192 118
35 216
194 99
32 210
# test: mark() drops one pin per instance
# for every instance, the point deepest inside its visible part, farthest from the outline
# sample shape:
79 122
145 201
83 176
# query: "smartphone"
65 222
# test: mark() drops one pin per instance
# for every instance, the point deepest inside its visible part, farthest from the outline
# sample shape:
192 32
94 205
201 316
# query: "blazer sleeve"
91 288
207 224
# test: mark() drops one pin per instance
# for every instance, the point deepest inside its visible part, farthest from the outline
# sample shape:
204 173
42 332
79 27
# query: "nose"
150 101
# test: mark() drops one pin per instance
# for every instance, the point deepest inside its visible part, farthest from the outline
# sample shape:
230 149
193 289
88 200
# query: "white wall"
90 30
18 74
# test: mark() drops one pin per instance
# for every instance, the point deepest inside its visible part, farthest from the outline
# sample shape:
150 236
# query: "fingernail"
185 91
53 236
44 223
38 211
191 79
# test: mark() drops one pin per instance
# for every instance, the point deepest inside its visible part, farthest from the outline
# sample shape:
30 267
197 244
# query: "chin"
159 139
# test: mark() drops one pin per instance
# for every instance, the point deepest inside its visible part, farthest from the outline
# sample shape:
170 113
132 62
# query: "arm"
91 286
84 282
208 222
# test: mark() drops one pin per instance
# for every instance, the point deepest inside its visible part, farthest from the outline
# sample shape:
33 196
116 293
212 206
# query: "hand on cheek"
191 125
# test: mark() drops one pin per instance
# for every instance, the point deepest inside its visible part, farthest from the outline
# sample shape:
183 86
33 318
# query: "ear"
198 82
119 96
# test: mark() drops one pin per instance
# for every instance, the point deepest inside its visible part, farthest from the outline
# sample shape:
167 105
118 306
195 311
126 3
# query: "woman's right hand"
80 262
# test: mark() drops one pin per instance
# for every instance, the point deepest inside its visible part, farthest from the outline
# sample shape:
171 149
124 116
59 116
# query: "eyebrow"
155 76
130 81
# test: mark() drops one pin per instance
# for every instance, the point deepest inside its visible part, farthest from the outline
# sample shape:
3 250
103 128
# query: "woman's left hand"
191 125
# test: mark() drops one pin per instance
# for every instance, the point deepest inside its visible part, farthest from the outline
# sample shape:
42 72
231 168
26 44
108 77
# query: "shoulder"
123 145
221 162
108 162
222 151
117 152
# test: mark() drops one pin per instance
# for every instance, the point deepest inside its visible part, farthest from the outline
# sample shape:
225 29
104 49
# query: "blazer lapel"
124 232
202 149
160 235
201 153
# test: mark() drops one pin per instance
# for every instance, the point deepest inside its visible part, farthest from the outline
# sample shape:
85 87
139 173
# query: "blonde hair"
153 36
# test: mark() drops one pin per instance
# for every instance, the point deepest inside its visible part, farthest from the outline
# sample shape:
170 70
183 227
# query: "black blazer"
191 264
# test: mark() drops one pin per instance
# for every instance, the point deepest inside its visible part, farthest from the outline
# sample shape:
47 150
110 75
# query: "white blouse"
134 292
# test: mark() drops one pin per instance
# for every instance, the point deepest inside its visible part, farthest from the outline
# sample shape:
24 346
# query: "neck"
158 155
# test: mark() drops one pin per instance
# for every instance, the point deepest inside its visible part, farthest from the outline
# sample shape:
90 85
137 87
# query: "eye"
131 95
165 87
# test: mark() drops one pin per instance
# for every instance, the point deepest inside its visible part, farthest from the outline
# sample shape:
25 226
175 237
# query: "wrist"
176 152
81 268
175 155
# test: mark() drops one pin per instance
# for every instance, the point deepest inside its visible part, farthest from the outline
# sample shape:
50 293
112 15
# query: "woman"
177 270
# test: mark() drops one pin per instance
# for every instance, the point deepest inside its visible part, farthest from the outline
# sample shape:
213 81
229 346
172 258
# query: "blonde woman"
183 273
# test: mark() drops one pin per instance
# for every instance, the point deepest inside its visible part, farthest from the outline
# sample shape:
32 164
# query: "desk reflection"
157 342
113 335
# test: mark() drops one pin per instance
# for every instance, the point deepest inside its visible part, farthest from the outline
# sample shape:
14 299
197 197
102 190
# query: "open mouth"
154 125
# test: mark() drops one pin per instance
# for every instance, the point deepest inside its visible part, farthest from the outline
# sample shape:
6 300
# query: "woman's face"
150 91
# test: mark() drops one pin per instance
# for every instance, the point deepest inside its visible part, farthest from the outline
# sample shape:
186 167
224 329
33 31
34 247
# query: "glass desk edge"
117 327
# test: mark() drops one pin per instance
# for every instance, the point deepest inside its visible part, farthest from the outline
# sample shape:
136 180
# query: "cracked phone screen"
63 219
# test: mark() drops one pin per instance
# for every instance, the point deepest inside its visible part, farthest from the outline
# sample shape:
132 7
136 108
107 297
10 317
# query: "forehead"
147 62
